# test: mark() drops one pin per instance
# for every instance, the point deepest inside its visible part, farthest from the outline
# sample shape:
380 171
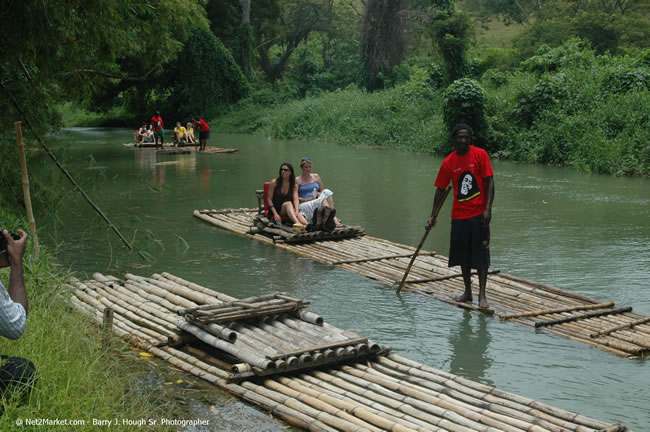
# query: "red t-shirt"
157 123
203 125
467 174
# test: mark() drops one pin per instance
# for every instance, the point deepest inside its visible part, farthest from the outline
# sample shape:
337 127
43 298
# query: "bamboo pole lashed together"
388 392
424 237
26 194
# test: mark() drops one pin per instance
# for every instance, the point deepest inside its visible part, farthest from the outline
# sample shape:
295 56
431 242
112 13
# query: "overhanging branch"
119 77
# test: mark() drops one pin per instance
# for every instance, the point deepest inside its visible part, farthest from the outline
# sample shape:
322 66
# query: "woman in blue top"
310 186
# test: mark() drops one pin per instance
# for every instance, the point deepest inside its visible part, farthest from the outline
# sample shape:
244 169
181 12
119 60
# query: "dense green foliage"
563 91
404 116
568 105
75 49
609 25
565 105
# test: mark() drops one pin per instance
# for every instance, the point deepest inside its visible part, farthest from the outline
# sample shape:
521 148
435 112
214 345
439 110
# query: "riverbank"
78 378
565 106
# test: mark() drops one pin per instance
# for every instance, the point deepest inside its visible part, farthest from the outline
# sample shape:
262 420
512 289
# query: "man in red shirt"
469 170
158 129
204 132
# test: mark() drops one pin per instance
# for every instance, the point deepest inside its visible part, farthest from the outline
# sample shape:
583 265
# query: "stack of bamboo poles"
252 307
391 393
623 333
282 234
277 342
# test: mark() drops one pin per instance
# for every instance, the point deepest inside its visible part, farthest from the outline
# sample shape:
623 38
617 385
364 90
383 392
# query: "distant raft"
603 325
272 353
183 149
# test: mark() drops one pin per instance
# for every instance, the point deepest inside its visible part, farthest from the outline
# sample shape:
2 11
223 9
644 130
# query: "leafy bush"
574 53
464 102
548 91
570 107
626 80
496 78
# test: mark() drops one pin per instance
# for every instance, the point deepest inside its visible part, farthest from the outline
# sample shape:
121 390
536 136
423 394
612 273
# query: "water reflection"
150 161
469 357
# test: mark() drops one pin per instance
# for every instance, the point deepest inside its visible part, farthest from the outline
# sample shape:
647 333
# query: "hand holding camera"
12 247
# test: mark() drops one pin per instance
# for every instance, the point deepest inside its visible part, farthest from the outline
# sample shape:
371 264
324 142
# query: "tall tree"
243 49
281 34
382 40
89 46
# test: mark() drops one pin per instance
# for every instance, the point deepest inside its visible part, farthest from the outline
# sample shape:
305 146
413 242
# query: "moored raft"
381 391
604 325
183 149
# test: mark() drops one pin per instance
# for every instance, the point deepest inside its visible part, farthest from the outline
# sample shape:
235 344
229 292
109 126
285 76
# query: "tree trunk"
246 11
382 43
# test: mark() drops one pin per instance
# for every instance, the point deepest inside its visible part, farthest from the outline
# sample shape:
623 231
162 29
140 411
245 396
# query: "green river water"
585 233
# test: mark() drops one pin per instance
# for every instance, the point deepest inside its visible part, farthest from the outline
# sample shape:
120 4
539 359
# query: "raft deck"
603 325
377 391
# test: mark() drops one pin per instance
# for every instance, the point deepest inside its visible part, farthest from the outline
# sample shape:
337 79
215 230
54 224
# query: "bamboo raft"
381 391
613 329
171 149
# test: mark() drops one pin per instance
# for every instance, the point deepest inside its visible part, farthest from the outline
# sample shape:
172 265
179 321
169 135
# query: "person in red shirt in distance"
158 128
204 132
469 170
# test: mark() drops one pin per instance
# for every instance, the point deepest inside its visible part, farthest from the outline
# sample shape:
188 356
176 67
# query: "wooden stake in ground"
26 195
424 237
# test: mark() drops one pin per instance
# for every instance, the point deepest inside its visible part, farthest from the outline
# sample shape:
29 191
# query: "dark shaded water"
585 233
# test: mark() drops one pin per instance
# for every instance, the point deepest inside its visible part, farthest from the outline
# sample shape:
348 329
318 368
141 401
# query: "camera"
3 242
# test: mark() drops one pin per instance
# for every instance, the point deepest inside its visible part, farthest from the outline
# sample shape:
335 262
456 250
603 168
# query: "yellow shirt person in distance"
179 134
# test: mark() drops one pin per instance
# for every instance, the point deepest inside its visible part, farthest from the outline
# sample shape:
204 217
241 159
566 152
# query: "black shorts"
470 243
204 135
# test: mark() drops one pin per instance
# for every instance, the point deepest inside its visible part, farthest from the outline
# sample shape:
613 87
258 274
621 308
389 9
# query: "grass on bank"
565 106
77 377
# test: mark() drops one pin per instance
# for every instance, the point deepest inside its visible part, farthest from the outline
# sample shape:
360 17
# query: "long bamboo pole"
26 195
65 171
424 237
583 316
557 310
619 327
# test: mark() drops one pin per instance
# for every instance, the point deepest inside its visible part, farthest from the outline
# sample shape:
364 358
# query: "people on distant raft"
282 197
158 128
316 202
148 135
204 132
469 170
189 133
179 134
140 133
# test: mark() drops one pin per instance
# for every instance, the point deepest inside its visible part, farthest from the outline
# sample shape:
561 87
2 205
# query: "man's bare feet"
465 298
483 303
